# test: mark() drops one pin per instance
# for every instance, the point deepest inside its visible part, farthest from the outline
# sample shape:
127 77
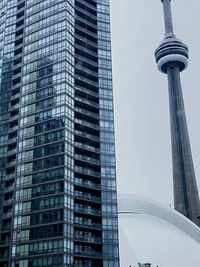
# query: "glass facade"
58 204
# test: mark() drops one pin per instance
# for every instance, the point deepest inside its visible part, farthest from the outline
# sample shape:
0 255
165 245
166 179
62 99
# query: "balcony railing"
84 11
9 188
87 183
7 214
86 196
4 257
87 147
86 101
8 202
10 152
11 163
87 159
86 171
14 106
89 239
87 31
12 129
4 242
15 95
88 224
87 210
89 136
9 176
13 140
12 118
6 227
87 113
87 124
88 253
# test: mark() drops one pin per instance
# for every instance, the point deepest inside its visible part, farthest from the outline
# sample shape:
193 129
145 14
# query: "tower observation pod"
172 58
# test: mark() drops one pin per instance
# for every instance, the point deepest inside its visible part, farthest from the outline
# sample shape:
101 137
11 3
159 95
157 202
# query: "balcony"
17 75
86 21
87 91
86 13
12 140
7 214
79 68
10 152
87 159
4 257
16 84
88 239
88 224
9 176
85 81
87 124
86 183
13 118
87 102
85 40
87 210
17 64
15 96
88 253
14 128
87 147
87 135
11 163
87 32
6 227
87 171
4 242
16 106
87 113
86 196
9 188
78 56
8 201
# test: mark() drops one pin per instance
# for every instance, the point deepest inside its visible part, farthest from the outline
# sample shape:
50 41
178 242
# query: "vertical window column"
108 173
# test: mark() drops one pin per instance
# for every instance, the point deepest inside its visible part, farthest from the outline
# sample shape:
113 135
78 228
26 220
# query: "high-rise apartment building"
58 204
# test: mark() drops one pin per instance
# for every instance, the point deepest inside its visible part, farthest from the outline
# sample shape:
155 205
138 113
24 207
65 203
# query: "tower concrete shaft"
172 58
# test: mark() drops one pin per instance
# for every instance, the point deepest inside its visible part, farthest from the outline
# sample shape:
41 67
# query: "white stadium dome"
151 232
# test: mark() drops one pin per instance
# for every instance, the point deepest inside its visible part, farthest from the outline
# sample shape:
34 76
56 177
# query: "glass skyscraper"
58 203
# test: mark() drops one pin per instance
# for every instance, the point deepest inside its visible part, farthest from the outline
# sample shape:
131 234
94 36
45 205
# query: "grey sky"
141 96
142 114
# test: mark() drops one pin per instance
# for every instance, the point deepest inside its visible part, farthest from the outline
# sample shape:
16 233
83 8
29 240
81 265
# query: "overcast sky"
141 100
141 95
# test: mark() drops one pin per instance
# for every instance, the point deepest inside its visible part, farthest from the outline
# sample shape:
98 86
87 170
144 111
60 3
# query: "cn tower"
172 58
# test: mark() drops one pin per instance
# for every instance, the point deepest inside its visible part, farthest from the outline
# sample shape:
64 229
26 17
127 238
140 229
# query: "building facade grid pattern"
57 162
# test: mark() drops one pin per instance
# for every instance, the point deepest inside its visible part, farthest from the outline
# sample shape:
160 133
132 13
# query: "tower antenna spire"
168 18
